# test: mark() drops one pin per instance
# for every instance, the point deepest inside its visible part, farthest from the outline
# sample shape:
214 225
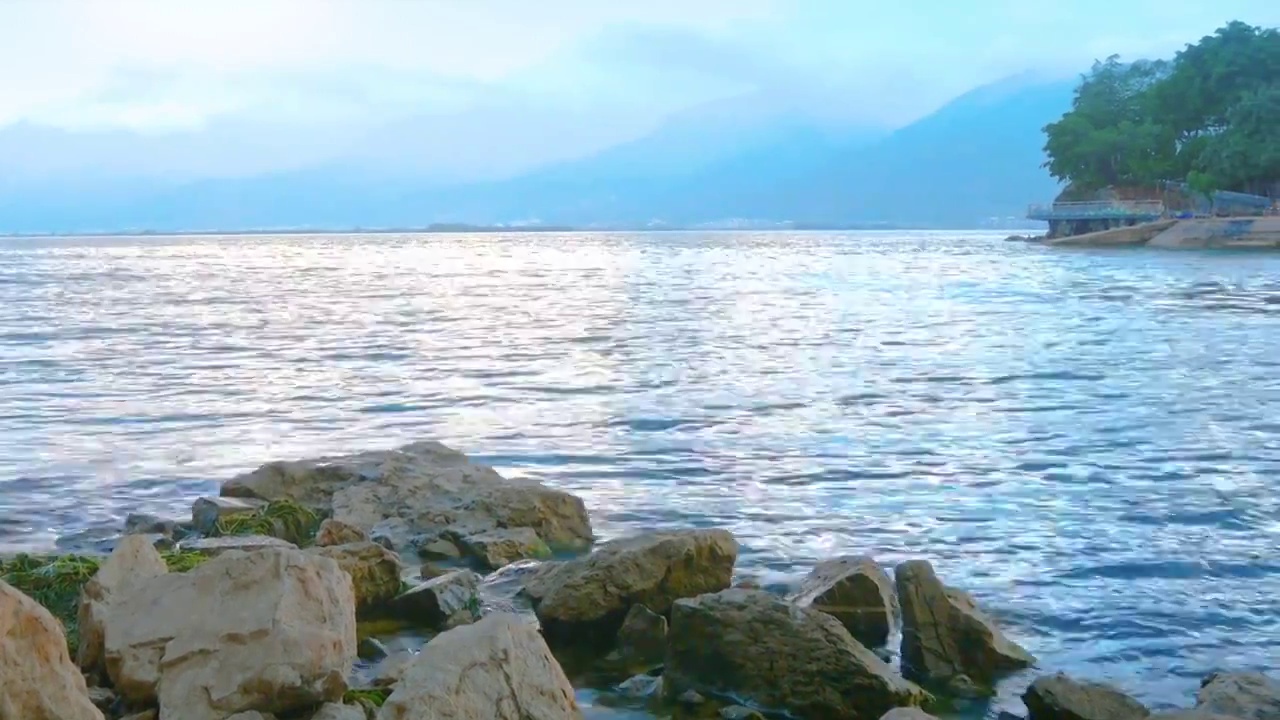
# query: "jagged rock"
390 670
1058 697
252 715
856 591
441 602
691 698
272 630
374 570
207 511
499 667
495 549
739 712
641 686
145 524
758 647
133 562
335 711
144 715
422 488
907 713
642 639
371 648
944 634
102 698
215 546
1247 696
438 549
589 597
335 532
38 681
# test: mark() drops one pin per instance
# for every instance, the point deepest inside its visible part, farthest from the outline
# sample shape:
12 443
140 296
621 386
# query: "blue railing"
1098 210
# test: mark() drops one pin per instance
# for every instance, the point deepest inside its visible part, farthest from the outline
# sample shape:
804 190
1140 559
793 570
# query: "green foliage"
376 696
284 519
55 582
1208 117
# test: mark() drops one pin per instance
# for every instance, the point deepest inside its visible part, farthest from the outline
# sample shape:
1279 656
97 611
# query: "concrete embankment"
1243 233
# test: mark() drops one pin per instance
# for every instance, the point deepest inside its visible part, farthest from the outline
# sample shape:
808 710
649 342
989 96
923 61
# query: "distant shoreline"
488 229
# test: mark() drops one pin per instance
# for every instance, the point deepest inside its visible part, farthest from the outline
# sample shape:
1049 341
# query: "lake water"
1087 440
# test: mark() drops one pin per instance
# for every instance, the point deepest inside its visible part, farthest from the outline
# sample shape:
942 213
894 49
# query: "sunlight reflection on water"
1085 439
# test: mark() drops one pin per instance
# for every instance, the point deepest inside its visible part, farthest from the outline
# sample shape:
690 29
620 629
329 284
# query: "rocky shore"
1244 233
416 584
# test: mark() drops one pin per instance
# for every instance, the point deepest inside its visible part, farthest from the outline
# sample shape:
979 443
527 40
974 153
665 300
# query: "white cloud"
59 58
166 64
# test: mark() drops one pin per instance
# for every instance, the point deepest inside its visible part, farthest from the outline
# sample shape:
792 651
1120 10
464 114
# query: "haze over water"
1086 440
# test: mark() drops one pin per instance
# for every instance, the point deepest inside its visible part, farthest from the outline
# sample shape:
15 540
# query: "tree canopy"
1210 117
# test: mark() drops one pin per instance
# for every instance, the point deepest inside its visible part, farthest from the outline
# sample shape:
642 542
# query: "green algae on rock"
55 582
283 519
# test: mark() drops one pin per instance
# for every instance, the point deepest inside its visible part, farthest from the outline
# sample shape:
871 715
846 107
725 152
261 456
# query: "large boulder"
374 570
419 490
497 668
38 681
590 596
272 630
1248 696
945 635
133 562
753 645
1058 697
856 591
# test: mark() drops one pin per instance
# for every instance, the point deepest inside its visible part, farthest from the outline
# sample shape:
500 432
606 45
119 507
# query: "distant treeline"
1209 117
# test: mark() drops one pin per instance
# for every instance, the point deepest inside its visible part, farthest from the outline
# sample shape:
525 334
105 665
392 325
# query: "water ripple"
1087 440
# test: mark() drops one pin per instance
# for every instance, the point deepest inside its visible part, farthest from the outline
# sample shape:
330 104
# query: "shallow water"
1087 440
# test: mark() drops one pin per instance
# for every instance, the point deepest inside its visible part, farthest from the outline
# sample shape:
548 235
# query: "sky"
305 74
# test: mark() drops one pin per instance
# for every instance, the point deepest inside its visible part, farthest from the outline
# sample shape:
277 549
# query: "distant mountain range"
976 158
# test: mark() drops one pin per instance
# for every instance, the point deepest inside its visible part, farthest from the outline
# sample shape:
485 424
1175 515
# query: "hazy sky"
157 63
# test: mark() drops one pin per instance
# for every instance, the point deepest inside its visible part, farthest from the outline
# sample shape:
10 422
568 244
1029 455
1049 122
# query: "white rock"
494 669
272 630
133 562
38 681
334 711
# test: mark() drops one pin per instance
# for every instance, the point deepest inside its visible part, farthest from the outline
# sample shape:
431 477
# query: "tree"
1245 155
1109 136
1209 117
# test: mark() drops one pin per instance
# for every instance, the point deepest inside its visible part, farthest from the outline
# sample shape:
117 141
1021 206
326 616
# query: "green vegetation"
283 519
55 582
376 696
1209 117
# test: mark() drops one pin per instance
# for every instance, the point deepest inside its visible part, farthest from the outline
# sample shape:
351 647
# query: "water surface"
1087 440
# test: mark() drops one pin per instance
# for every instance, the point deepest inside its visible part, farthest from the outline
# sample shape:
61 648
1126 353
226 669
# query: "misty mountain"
690 169
977 157
980 156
